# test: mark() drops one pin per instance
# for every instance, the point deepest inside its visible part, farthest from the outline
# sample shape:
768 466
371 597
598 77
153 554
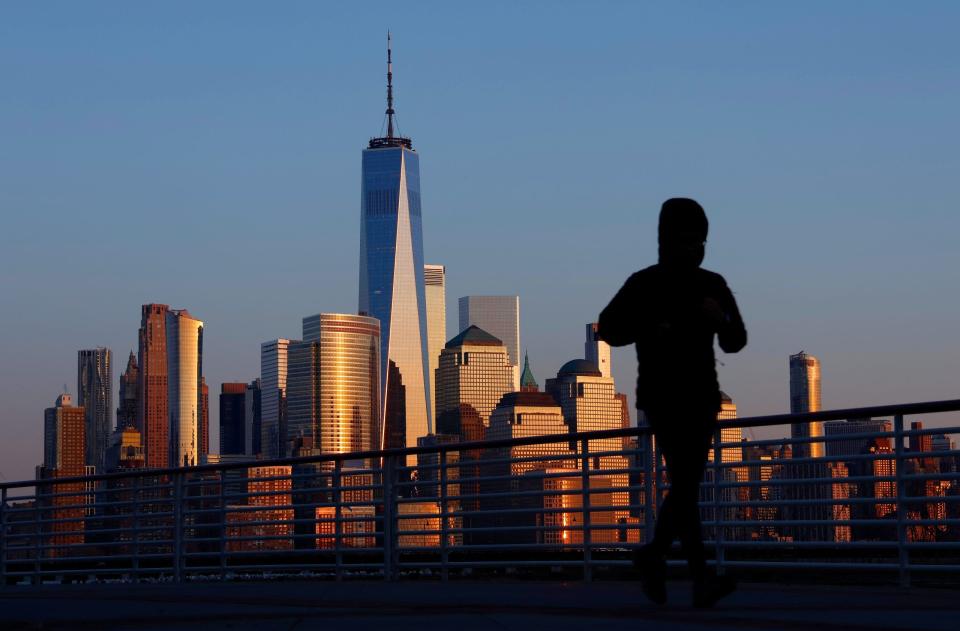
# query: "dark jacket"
662 310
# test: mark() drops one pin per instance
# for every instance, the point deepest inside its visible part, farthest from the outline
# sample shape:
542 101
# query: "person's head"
682 233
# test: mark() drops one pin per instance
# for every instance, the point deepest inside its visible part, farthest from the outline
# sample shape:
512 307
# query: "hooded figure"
671 311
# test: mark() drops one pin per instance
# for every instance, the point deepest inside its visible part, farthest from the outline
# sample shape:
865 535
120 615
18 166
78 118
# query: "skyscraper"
273 396
95 396
129 399
391 274
64 447
233 418
434 281
474 374
252 407
64 437
153 416
204 419
597 351
333 384
184 387
499 316
805 397
528 382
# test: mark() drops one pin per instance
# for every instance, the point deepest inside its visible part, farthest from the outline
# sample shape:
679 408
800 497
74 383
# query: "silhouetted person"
671 311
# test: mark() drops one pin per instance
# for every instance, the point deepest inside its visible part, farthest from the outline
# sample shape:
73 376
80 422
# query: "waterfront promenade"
461 605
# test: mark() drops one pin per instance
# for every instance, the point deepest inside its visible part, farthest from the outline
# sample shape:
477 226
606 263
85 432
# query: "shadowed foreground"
463 605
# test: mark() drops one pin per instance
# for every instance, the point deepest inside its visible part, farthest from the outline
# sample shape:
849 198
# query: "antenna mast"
389 88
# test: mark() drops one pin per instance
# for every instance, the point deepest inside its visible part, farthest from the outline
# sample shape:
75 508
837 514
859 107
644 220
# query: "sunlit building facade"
273 396
597 351
499 316
333 384
391 280
474 373
804 398
184 387
154 418
64 442
434 282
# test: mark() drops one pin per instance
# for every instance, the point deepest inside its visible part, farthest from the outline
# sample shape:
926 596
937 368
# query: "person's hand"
713 312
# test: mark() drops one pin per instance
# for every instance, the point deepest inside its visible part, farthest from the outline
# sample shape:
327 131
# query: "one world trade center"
391 279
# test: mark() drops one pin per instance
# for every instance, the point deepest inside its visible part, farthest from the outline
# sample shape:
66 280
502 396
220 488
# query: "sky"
207 156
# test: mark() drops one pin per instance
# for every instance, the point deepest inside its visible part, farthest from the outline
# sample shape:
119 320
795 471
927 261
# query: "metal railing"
580 501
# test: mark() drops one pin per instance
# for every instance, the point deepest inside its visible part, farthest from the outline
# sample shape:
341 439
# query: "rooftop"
474 335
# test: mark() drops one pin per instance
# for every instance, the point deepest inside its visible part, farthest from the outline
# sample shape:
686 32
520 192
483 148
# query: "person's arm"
618 321
731 332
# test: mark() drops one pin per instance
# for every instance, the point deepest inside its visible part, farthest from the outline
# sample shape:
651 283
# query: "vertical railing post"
444 518
903 553
338 516
717 474
135 557
177 526
649 494
3 537
388 472
222 524
585 503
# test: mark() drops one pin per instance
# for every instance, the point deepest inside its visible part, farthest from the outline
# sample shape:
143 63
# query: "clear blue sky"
207 155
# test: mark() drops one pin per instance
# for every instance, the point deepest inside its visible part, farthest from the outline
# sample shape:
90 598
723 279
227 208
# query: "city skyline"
860 366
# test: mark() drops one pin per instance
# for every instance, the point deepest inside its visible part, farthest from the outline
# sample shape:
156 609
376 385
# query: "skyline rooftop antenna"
389 87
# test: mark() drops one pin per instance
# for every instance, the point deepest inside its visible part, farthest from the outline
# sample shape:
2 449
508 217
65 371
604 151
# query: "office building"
333 384
804 398
473 375
129 396
153 417
251 417
597 351
273 396
95 396
233 426
434 282
391 276
185 387
499 316
523 414
64 442
204 418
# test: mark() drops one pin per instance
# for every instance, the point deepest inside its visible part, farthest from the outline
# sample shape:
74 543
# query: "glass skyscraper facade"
805 397
333 384
273 396
184 375
95 396
434 280
391 280
499 316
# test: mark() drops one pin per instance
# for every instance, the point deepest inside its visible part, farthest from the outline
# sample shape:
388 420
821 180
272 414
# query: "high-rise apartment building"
434 282
597 351
391 276
129 399
185 387
64 437
474 373
804 398
153 416
333 384
95 396
273 396
499 316
233 424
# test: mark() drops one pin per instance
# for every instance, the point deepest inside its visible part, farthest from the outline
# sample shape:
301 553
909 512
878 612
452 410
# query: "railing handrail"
923 407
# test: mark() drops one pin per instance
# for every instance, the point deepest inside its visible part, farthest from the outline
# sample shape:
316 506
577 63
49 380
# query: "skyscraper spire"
389 88
392 139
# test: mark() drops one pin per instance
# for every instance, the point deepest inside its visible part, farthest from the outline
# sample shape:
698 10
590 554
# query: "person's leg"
688 470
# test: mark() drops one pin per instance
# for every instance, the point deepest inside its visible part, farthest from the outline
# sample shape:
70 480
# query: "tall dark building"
95 396
252 416
129 399
153 418
233 418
